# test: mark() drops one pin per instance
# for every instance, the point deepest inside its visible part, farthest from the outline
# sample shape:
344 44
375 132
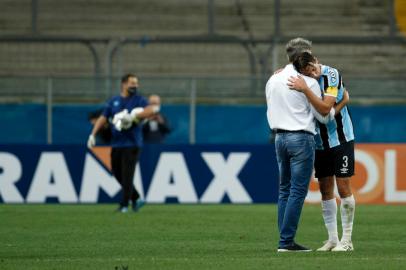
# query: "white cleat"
328 246
344 246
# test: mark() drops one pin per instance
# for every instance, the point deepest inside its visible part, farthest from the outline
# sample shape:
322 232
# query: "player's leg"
130 157
347 208
347 211
326 186
135 195
345 160
329 212
324 173
116 162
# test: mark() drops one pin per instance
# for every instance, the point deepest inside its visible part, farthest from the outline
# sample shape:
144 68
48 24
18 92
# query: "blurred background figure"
155 127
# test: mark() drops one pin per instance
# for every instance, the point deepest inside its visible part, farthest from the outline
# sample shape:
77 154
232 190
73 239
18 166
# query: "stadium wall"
214 124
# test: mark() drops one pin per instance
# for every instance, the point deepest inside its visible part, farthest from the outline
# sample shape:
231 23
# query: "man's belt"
277 130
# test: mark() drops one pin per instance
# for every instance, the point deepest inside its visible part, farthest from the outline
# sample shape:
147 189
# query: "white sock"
329 208
347 210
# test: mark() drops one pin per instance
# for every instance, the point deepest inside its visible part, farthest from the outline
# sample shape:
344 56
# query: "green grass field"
189 237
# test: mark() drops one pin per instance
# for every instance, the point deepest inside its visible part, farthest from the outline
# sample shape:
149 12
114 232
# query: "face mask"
132 90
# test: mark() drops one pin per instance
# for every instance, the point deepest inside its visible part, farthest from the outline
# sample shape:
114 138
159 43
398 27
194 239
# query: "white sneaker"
328 246
344 246
123 209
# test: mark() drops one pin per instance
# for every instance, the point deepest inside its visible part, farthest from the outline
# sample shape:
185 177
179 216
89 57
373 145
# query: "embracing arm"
323 106
340 105
324 119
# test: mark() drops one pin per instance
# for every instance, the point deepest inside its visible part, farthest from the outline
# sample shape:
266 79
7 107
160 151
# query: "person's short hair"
127 76
303 60
297 46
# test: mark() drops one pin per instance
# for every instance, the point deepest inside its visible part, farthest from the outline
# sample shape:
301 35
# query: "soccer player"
334 148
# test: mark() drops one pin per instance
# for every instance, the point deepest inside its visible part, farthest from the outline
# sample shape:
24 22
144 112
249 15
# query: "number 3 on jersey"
345 161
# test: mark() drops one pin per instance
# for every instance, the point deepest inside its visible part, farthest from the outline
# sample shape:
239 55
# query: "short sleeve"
107 111
315 87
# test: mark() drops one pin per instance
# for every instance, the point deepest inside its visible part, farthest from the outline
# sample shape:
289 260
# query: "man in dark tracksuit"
125 111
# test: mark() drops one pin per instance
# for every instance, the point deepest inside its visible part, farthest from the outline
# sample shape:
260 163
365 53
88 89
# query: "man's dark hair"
303 60
297 46
127 76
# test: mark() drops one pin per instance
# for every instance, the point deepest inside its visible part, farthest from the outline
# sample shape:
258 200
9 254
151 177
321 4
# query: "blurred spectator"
155 127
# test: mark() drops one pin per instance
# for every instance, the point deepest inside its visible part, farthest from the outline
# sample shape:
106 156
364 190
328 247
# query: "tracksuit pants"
123 162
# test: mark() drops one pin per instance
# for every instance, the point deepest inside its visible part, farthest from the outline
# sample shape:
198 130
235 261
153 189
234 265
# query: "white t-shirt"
289 109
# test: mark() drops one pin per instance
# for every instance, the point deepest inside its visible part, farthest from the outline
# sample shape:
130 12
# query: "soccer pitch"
189 237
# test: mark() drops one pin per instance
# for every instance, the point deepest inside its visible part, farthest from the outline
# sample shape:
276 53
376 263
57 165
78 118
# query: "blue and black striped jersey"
340 130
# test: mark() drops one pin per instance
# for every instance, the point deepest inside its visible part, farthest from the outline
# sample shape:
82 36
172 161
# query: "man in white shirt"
291 117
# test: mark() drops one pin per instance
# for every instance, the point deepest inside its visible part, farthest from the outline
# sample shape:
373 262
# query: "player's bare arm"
101 121
148 111
323 106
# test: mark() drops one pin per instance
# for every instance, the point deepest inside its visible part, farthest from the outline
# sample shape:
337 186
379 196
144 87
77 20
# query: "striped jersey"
340 129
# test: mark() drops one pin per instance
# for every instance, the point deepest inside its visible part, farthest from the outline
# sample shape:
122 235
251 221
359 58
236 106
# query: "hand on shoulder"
297 83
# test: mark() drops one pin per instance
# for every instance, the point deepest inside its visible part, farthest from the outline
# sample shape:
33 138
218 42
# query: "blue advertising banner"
70 124
166 174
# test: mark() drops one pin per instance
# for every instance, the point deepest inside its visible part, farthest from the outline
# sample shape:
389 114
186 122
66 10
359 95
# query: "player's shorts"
337 161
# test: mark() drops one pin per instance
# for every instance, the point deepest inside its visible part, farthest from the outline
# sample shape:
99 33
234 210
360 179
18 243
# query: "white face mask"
153 125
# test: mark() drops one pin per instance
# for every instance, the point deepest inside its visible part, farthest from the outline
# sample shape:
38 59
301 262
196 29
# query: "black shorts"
337 161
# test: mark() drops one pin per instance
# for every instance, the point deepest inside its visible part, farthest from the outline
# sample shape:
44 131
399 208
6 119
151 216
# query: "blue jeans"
295 156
